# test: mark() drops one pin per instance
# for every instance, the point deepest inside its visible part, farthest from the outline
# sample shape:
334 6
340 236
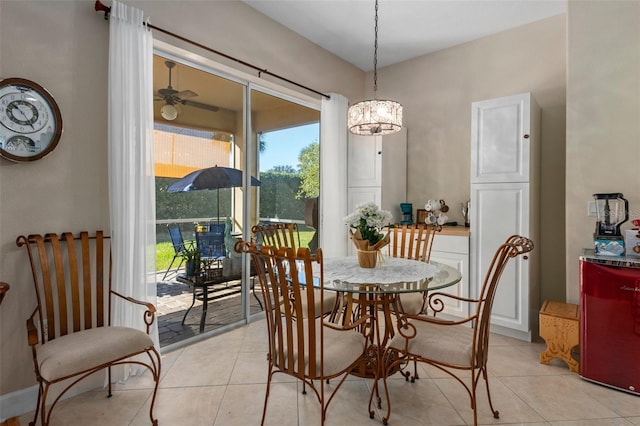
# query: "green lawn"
164 251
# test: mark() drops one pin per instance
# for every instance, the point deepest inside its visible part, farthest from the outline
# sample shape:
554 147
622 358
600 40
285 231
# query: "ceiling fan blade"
200 105
186 94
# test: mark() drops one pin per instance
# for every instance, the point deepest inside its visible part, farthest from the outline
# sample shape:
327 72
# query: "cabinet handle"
379 152
526 136
525 257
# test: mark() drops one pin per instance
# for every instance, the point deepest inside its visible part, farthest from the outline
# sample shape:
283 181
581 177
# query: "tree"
288 170
309 165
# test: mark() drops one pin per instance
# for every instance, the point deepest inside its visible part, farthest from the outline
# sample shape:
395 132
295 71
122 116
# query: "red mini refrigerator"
610 322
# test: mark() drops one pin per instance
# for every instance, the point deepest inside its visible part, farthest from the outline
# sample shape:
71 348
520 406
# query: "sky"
284 146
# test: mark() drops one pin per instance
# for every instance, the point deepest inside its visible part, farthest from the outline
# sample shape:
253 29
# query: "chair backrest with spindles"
412 241
292 342
72 277
278 235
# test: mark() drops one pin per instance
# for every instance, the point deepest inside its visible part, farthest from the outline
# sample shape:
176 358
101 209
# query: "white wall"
436 92
603 117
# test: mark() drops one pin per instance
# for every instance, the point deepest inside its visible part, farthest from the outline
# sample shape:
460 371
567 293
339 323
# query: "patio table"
210 287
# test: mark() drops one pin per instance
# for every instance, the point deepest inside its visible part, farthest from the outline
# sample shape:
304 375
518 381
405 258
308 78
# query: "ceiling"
407 28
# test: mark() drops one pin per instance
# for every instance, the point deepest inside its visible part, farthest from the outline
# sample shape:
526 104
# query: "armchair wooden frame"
461 345
70 331
303 345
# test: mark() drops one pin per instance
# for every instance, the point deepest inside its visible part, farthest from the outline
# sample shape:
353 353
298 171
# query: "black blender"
612 210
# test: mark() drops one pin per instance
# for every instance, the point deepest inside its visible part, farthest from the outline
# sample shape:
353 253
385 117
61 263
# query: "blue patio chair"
211 243
179 246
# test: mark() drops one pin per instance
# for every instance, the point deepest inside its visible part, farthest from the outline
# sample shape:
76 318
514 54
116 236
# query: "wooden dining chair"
70 331
302 343
460 345
412 242
287 235
278 234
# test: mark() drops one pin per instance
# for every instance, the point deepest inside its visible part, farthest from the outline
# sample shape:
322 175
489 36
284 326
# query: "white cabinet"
505 201
453 250
377 171
501 143
451 247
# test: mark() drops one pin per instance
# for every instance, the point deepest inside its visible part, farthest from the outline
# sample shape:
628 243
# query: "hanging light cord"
375 56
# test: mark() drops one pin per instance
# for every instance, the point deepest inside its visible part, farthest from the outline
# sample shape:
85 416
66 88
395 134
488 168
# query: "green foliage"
278 196
309 164
164 250
181 205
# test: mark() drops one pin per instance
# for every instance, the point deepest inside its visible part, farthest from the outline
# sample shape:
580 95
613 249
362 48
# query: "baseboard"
510 332
18 403
24 400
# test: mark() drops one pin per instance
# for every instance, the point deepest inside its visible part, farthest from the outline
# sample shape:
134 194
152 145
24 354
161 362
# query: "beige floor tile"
251 367
511 408
242 405
634 420
94 408
557 398
419 403
189 406
519 361
197 367
348 407
594 422
622 403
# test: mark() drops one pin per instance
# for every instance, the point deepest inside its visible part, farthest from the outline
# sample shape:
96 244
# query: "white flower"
369 219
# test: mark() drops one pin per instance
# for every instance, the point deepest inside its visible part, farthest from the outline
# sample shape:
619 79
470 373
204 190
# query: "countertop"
455 230
619 261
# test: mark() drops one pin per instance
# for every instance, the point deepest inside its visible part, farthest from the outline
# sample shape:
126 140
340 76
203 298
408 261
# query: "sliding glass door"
205 119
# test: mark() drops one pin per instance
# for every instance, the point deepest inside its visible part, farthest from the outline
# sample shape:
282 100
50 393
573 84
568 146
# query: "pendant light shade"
375 116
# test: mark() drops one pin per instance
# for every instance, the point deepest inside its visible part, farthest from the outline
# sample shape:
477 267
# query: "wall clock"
30 120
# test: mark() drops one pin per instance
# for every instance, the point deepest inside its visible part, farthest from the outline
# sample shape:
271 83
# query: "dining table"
376 291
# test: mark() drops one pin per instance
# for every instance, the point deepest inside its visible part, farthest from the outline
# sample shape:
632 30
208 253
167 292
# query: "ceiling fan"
172 97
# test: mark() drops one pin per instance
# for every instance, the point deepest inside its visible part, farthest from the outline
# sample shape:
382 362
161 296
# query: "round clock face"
30 120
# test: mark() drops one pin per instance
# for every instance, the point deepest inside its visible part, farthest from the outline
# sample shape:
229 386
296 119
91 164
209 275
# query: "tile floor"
220 381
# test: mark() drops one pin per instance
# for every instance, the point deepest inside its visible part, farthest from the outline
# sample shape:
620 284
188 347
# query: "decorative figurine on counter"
465 212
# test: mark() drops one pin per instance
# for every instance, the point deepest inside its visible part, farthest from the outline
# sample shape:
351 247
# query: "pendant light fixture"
375 116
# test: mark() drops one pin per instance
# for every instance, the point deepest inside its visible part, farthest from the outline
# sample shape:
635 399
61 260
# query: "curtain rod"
101 7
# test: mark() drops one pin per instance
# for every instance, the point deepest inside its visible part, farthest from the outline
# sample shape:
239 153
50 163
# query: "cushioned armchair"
303 345
70 331
460 346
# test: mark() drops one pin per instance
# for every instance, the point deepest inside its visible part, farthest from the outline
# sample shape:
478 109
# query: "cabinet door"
499 211
500 139
365 161
460 261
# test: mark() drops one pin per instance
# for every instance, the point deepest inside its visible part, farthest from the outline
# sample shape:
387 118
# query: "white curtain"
131 166
333 175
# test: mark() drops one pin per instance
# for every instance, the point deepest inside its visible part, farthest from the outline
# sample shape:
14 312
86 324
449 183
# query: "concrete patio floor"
174 299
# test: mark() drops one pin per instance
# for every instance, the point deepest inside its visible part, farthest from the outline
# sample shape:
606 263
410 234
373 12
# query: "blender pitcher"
612 211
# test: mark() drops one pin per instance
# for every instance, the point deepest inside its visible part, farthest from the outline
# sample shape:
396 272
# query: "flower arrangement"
368 220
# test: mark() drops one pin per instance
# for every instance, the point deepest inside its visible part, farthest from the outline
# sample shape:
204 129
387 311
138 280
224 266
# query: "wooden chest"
560 329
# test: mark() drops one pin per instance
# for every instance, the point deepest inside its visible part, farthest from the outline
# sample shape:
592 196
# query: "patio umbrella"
211 178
